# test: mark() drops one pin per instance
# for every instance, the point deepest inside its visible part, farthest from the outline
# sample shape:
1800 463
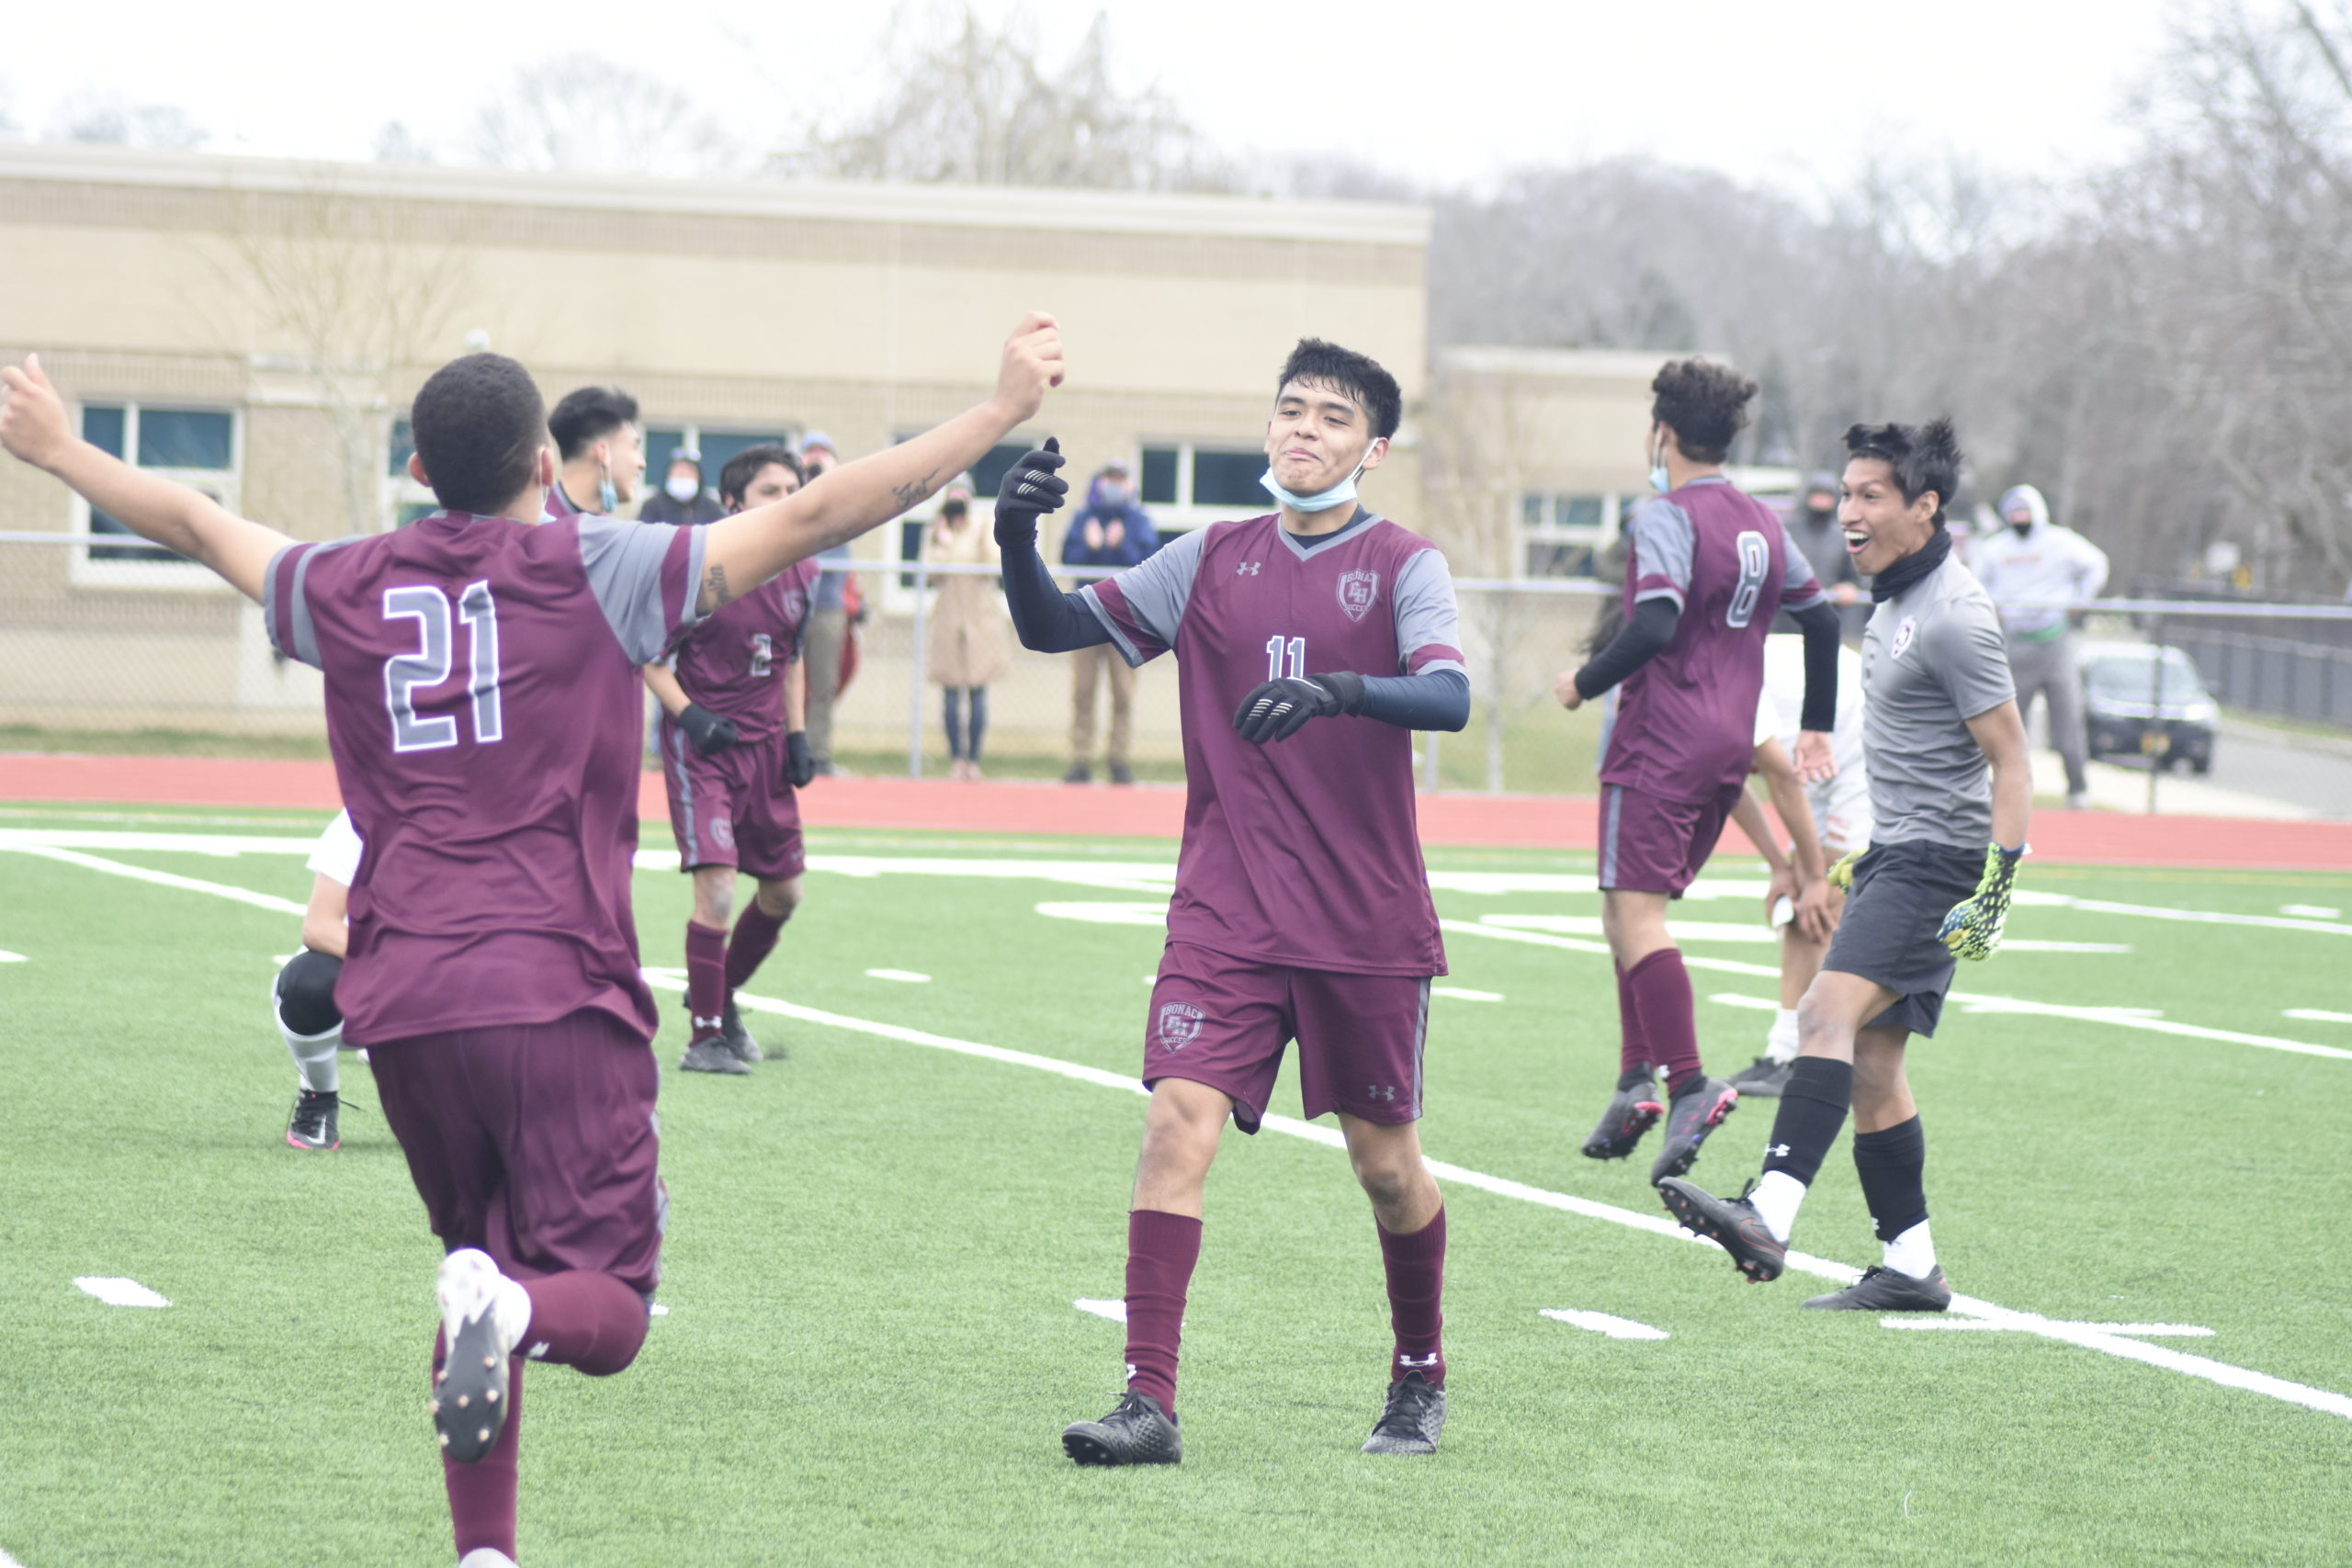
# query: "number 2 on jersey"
1755 562
1276 649
429 665
763 655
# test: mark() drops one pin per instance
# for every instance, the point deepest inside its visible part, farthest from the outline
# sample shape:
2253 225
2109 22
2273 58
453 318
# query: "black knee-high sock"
1890 1163
1813 1107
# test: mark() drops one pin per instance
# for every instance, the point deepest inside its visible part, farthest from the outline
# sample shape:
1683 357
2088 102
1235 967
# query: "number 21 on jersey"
429 665
1281 650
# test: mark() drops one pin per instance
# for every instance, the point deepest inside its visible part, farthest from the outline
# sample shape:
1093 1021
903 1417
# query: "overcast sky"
1793 92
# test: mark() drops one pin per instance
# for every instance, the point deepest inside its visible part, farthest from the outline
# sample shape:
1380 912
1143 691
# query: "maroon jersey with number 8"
484 706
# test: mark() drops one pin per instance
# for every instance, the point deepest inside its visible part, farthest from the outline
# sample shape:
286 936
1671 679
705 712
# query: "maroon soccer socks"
481 1494
1161 1251
1415 1266
586 1320
706 980
1657 992
754 939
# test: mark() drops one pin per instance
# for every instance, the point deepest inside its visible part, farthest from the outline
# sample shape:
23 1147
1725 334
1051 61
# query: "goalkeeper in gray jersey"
1950 793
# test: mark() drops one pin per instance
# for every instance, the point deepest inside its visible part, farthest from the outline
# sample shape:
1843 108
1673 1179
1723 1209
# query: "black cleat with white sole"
1413 1418
1886 1289
469 1392
312 1126
1689 1117
1135 1432
1731 1223
1631 1112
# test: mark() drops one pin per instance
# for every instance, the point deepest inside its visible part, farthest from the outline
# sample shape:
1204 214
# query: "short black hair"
736 478
1337 369
585 415
1924 457
479 424
1703 403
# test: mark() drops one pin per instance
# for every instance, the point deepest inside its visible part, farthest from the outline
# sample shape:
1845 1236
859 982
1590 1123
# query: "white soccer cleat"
483 1317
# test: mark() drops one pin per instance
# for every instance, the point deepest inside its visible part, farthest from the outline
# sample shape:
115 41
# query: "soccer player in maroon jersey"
1709 568
1308 642
483 709
600 450
733 752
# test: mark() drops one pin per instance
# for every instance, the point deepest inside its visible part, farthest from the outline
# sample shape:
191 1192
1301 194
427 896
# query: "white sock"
1780 1046
1775 1199
314 1057
1911 1253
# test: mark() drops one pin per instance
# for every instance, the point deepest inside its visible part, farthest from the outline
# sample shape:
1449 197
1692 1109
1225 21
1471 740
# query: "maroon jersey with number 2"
483 703
732 662
1306 851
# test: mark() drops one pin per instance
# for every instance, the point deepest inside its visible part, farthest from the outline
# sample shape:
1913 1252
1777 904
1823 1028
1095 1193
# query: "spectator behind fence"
828 630
1813 528
1110 530
968 646
2039 575
681 498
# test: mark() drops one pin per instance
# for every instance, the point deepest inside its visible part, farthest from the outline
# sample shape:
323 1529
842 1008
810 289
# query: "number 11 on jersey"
1279 649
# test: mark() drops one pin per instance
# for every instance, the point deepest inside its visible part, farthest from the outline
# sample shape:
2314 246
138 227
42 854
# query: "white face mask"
680 486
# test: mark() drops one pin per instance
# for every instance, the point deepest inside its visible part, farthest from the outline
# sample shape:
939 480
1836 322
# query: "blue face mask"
1322 500
608 500
1661 480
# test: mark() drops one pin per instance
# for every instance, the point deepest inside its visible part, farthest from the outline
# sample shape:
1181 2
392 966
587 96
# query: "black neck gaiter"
1912 568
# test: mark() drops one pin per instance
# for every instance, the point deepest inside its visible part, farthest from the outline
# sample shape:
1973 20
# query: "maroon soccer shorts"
735 809
1650 844
534 1142
1224 1022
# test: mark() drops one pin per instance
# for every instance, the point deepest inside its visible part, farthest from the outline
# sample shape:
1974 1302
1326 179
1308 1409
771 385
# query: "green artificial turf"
875 1247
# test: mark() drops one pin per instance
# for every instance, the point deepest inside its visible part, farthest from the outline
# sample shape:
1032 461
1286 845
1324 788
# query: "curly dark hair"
585 415
1703 403
479 424
1359 376
1924 456
736 478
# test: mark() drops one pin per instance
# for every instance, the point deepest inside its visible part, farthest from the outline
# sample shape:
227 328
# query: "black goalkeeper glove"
1973 930
1280 709
709 733
799 759
1030 489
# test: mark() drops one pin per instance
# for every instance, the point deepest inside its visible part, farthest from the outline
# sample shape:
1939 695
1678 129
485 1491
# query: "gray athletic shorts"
1901 894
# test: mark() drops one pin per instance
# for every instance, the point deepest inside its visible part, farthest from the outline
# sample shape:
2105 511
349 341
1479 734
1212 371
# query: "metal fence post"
917 652
2157 710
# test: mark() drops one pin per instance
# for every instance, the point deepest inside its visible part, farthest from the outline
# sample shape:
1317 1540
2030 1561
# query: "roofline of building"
1233 216
1503 359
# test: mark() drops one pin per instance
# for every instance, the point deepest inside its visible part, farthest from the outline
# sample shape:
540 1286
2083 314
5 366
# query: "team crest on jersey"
722 832
1357 591
1180 1025
796 605
1903 636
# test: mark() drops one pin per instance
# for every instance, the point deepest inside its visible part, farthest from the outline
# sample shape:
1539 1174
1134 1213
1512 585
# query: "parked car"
2131 710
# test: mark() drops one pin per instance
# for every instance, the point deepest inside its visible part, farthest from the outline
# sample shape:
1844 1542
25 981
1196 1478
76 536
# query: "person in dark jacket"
683 498
1815 530
1112 532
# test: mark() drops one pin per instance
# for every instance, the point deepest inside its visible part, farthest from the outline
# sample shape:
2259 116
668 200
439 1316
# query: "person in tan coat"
968 647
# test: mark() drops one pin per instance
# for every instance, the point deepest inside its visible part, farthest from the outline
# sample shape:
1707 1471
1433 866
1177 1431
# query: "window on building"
194 447
1562 533
1187 483
716 445
405 500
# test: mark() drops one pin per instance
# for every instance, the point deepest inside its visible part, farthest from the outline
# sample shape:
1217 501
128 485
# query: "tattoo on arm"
716 586
915 490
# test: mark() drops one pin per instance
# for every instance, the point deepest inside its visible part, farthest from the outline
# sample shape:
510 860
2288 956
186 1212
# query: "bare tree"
91 115
577 111
983 106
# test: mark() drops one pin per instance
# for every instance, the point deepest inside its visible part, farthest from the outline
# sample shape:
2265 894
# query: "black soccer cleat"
1414 1418
314 1123
1631 1112
1689 1119
470 1393
1731 1223
1884 1289
739 1039
1134 1433
1763 1078
710 1055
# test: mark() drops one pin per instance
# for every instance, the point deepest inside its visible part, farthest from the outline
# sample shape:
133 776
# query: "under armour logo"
1131 1372
1778 1151
702 1022
1380 1091
1428 1361
1247 568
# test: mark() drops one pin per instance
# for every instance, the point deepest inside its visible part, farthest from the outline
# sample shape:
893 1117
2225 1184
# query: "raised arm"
746 549
33 428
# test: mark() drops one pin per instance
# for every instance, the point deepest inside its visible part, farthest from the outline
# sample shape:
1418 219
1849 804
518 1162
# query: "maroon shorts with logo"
734 808
1224 1022
1651 844
534 1142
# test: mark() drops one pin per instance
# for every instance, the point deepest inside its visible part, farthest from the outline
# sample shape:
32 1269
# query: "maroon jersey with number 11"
484 706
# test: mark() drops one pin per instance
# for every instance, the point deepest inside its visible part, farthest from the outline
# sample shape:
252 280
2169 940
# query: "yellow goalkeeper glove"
1973 930
1842 874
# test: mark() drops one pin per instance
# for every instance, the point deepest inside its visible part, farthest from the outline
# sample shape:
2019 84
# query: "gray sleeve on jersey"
1796 572
1971 659
624 563
1155 593
1426 616
298 637
1664 540
280 638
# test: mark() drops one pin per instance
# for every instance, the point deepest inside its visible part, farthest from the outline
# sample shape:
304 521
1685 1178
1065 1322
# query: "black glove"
799 759
1030 489
1280 709
709 733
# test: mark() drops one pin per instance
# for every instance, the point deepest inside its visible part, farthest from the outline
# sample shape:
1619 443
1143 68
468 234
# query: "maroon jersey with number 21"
483 703
1304 852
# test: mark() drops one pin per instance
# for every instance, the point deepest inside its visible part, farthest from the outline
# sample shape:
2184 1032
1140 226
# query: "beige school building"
257 328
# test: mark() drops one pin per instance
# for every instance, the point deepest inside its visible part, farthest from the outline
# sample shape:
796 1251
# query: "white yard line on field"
161 878
1604 1322
2317 1015
117 1292
1115 1311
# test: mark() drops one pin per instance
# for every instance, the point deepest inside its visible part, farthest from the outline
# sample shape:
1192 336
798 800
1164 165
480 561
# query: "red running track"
1508 821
